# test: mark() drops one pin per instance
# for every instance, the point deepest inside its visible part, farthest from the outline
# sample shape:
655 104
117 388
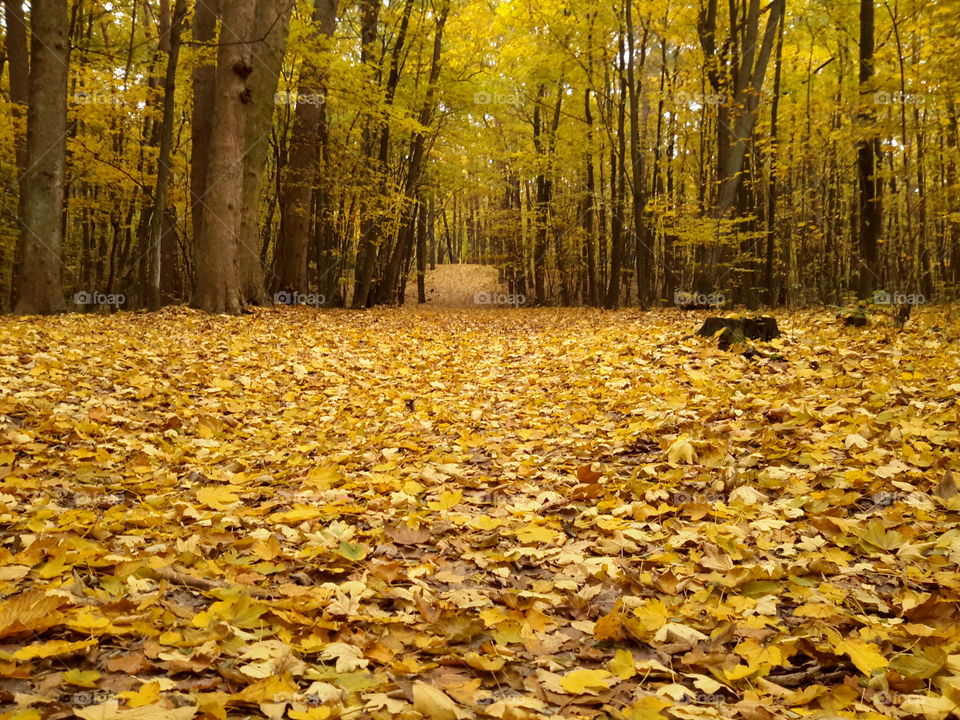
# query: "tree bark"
273 19
204 81
170 43
218 288
868 165
18 59
39 281
367 245
300 174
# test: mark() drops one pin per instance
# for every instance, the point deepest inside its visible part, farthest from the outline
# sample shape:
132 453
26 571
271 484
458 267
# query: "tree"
868 163
299 176
218 286
18 60
170 41
39 281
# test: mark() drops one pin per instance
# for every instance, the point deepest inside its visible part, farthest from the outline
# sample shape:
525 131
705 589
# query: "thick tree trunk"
218 288
746 98
300 174
273 18
39 284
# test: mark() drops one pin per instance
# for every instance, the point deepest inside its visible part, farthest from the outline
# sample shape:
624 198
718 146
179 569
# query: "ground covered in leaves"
459 514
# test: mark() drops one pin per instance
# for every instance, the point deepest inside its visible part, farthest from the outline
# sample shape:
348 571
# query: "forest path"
457 286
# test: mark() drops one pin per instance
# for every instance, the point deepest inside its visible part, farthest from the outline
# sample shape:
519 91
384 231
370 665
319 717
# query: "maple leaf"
579 682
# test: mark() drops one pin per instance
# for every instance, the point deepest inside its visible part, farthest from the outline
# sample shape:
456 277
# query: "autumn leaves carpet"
490 514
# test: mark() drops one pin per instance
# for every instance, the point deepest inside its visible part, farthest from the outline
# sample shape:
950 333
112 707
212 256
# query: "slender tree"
868 163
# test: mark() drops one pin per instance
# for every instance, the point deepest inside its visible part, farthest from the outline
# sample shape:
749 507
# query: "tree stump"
735 331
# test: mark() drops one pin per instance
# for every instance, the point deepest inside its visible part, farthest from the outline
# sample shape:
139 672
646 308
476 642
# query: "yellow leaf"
314 713
579 682
273 689
148 694
483 662
54 648
865 656
82 678
623 665
433 703
652 615
647 708
448 500
485 522
219 497
536 534
682 452
31 611
214 704
87 622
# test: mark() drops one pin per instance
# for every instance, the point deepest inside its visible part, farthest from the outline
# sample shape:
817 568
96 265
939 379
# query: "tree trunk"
868 165
300 174
617 182
772 189
367 245
18 59
39 282
204 81
169 43
644 250
218 288
267 60
746 98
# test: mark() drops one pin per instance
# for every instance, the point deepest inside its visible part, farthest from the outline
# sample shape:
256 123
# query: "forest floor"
485 513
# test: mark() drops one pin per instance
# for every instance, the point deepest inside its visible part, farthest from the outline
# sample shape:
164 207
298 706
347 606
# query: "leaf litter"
470 514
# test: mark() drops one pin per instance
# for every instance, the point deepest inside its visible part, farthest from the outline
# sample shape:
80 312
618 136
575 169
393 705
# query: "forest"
602 154
479 359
